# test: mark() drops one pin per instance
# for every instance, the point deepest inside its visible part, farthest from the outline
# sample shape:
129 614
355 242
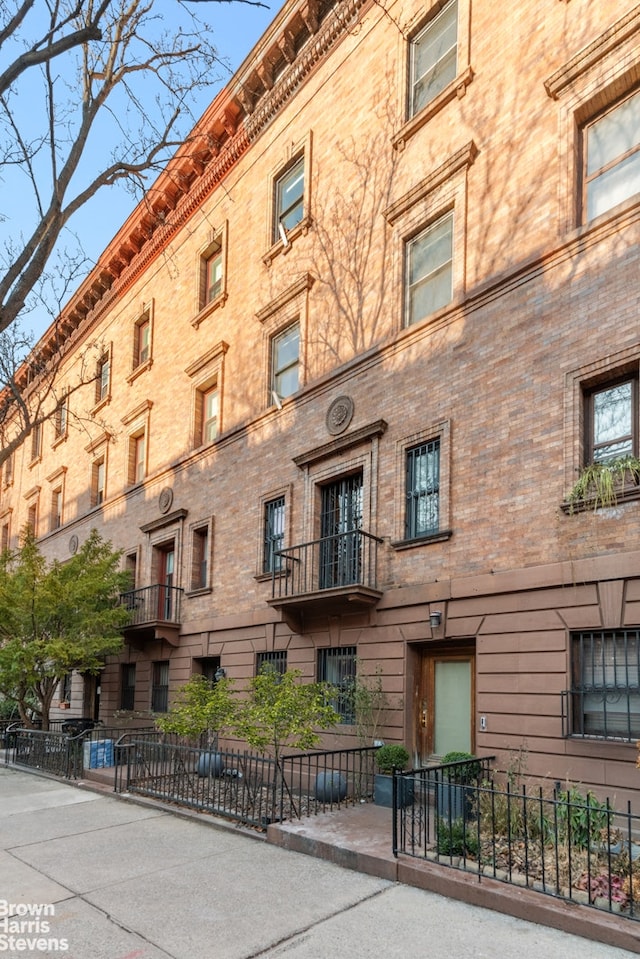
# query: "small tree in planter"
202 711
389 758
282 712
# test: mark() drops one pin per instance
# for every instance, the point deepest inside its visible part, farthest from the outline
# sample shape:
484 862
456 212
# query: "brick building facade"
351 355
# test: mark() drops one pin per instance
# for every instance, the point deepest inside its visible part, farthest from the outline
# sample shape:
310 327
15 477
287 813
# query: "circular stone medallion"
339 415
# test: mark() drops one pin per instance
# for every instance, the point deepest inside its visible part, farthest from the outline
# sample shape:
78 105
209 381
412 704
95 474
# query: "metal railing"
151 604
50 751
239 785
561 843
345 559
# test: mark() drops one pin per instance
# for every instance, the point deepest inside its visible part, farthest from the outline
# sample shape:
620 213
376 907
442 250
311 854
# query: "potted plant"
455 798
389 758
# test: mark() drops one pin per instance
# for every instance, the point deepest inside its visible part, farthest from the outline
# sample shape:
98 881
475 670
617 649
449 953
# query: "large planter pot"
455 801
331 786
210 764
383 790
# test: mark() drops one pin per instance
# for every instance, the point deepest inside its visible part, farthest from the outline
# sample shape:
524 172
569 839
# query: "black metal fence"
344 559
50 751
239 785
157 603
565 843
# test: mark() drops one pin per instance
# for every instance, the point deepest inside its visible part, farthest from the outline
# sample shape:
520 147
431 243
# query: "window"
32 518
128 686
64 688
422 489
285 362
208 400
8 470
273 534
56 508
142 342
337 666
98 481
62 417
606 684
200 558
137 458
36 441
611 421
103 378
213 268
160 686
289 202
434 57
429 270
209 666
275 660
611 146
4 544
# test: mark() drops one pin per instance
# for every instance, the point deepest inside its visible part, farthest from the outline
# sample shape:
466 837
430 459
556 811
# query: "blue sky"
237 28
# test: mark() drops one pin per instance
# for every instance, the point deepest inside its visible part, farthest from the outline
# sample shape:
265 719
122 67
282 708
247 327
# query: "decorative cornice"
341 444
305 282
234 120
606 43
461 160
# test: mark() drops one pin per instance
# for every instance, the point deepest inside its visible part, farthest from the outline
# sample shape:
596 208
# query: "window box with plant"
390 758
604 483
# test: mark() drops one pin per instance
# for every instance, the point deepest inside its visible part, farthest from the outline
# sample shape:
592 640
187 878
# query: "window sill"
209 308
627 495
35 461
267 577
59 440
101 404
200 591
457 88
279 247
141 368
440 537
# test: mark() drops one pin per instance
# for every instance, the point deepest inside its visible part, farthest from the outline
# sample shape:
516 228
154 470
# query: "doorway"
165 579
445 701
340 523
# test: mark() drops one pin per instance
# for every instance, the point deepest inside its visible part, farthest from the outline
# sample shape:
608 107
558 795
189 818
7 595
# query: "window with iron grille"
128 686
209 666
160 687
606 684
434 57
337 666
422 489
275 660
273 534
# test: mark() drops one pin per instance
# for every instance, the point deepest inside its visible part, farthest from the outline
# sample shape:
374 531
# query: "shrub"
391 757
457 838
581 819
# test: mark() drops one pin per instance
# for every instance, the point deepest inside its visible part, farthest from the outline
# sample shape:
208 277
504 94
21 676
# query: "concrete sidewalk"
118 880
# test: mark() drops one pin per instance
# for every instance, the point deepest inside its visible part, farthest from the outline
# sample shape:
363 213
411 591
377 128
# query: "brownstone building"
352 354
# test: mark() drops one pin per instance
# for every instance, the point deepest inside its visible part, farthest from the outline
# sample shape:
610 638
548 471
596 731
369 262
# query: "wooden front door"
446 702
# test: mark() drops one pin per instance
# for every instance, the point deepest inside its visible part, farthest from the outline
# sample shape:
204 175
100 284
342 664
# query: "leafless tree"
75 76
93 93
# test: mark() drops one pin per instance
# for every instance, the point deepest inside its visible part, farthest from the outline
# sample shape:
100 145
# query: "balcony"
332 576
155 614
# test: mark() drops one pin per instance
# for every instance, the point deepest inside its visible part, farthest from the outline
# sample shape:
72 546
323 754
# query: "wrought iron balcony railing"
153 604
334 562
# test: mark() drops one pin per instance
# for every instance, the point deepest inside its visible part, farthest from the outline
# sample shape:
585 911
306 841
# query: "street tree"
55 618
201 708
